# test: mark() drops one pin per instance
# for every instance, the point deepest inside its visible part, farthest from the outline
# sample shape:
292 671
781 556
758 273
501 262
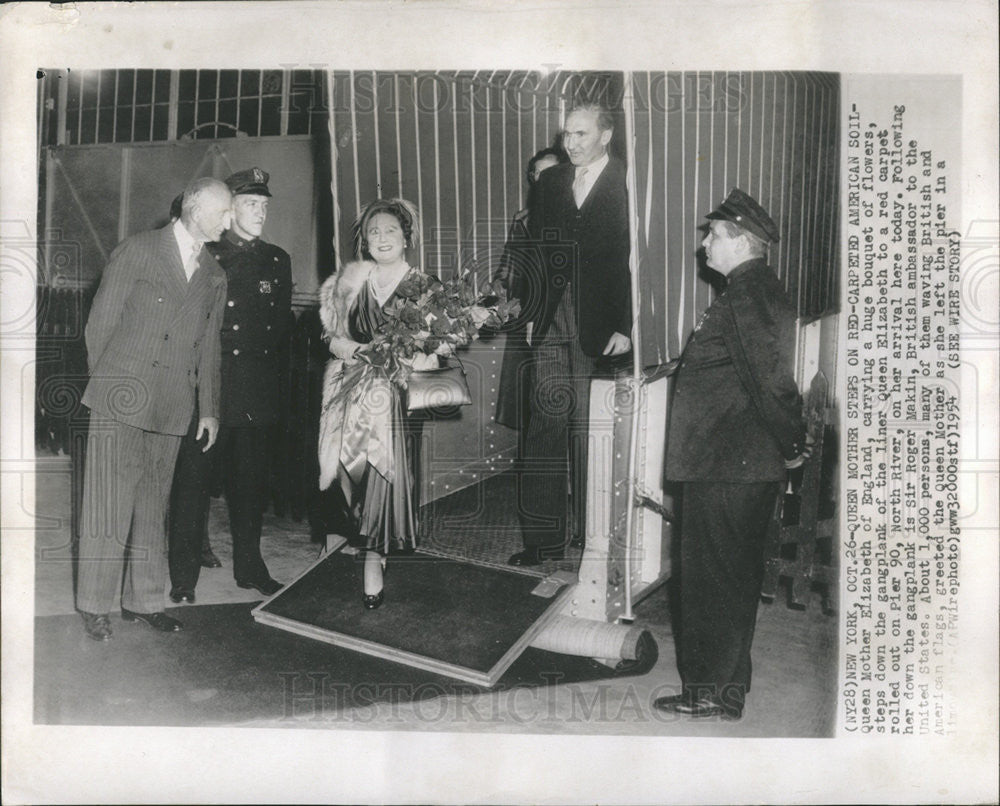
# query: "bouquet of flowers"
434 317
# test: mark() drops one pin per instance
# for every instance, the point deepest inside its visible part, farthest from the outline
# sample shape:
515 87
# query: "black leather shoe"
535 556
209 560
372 601
670 703
268 587
97 626
706 707
158 621
178 595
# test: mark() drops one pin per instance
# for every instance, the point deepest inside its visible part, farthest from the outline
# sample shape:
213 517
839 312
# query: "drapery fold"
356 424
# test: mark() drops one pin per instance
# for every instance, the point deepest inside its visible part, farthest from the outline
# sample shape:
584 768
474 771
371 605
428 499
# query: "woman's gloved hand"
344 349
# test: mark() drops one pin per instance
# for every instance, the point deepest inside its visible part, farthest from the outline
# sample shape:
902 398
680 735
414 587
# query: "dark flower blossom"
409 314
456 309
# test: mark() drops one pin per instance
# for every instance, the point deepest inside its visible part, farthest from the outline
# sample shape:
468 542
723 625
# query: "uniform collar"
231 237
743 268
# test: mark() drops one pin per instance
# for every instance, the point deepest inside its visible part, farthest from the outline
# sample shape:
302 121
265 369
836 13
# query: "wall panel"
83 188
102 194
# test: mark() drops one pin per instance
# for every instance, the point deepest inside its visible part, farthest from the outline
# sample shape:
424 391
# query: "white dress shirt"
189 249
593 171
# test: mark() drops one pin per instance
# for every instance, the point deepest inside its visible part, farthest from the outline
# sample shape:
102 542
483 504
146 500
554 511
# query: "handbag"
441 388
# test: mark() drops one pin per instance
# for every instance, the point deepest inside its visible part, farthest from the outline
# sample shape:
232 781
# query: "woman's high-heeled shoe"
372 600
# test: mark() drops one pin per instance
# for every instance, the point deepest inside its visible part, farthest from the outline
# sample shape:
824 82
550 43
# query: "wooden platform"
457 619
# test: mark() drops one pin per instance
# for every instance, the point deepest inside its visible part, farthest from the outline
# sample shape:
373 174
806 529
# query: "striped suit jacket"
153 336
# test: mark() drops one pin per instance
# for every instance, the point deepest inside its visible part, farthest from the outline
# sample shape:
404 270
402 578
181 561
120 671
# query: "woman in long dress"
366 441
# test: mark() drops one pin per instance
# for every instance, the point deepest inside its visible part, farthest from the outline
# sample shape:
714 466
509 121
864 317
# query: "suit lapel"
599 187
564 188
207 275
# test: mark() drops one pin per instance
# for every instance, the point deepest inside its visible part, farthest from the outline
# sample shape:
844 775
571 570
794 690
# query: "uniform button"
272 304
265 352
230 303
166 337
156 363
236 327
159 299
268 327
236 352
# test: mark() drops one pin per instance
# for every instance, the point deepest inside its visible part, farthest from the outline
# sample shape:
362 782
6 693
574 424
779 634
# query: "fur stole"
338 293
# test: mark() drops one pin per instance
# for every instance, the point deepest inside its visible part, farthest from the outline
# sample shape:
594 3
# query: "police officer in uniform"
735 429
254 330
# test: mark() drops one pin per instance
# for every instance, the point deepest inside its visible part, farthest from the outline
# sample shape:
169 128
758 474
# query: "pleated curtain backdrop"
699 134
455 143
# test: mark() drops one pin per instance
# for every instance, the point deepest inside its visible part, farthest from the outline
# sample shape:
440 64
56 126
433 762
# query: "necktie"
191 264
579 188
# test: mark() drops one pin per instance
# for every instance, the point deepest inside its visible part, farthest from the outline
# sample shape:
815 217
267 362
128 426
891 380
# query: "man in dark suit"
735 428
254 332
576 300
512 402
152 348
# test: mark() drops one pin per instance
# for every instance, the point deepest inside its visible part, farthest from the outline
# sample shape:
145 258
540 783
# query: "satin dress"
386 509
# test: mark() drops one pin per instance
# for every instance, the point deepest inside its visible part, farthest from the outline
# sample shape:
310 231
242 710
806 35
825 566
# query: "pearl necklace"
384 290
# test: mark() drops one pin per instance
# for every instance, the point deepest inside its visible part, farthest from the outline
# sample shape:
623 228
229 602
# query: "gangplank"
471 622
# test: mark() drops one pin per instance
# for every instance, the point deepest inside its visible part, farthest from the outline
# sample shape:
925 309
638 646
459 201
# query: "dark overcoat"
512 395
736 411
255 327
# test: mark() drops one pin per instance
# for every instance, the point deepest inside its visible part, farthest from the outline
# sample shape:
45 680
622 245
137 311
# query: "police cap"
252 182
742 210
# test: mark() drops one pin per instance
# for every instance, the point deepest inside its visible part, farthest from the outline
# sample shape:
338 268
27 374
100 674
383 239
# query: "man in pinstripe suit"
152 347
